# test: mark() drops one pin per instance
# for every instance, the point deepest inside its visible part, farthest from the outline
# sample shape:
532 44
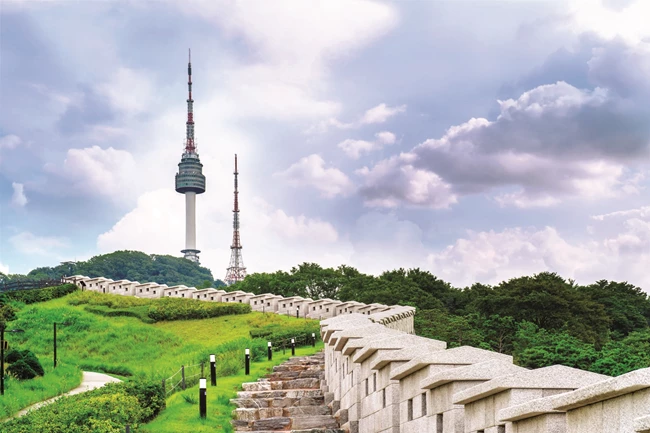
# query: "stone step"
252 414
288 375
281 393
301 383
277 402
313 421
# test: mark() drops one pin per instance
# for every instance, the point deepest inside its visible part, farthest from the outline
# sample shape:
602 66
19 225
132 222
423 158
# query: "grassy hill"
130 348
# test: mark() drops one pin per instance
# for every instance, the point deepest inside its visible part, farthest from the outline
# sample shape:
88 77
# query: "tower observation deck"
190 179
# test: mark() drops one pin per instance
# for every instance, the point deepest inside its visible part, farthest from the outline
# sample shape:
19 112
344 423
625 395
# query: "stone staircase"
290 399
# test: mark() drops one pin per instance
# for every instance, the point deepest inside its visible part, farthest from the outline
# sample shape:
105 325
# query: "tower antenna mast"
190 180
236 270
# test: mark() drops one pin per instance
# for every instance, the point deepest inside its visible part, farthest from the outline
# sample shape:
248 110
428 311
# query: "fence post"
183 376
128 428
202 375
163 384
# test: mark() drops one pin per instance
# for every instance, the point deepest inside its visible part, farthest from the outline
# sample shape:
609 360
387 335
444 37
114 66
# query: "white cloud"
129 91
4 269
97 171
394 180
355 148
9 141
18 199
29 243
492 257
627 22
381 113
385 137
378 114
311 171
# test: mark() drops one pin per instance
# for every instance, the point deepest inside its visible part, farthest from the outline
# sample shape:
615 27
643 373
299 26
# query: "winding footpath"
89 381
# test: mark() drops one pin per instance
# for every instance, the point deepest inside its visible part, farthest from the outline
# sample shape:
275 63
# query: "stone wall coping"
462 355
339 338
329 326
177 287
206 290
387 342
552 377
356 343
605 389
531 408
148 285
98 279
400 355
121 282
484 371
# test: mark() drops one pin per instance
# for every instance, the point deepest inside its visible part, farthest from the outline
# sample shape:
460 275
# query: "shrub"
24 364
150 394
183 309
41 295
21 370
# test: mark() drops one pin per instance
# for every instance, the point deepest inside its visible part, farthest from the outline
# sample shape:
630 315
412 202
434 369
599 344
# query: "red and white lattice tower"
236 270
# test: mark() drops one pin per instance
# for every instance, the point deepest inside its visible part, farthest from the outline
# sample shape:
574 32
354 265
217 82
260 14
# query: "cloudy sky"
480 140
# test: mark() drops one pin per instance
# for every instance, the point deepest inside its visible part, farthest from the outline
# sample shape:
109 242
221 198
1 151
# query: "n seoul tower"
190 179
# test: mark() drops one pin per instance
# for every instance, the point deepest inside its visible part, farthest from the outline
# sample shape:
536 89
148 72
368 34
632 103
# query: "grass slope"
125 346
182 412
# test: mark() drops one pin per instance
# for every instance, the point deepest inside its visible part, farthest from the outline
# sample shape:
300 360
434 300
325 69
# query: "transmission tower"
236 270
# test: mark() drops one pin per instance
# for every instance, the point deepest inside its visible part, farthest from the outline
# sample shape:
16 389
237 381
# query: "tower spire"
236 270
190 146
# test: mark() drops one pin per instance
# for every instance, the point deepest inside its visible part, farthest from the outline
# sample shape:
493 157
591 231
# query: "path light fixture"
62 324
2 354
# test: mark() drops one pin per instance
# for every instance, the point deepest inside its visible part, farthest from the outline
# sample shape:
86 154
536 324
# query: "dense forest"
129 265
541 320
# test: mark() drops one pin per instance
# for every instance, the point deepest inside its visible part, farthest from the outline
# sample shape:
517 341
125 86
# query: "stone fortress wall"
381 378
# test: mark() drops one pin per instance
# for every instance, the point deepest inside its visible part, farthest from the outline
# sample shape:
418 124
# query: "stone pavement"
290 399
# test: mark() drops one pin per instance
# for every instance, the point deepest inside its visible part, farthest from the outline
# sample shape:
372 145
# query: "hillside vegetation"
129 265
542 319
129 347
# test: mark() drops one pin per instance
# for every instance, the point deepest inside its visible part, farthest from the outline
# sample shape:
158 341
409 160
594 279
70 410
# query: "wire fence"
27 284
189 375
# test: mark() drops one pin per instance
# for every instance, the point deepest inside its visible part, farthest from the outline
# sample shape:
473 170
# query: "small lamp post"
293 347
297 312
213 370
2 354
247 360
270 351
63 324
202 398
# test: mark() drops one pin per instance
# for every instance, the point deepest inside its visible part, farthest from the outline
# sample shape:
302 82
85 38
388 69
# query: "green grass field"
125 346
